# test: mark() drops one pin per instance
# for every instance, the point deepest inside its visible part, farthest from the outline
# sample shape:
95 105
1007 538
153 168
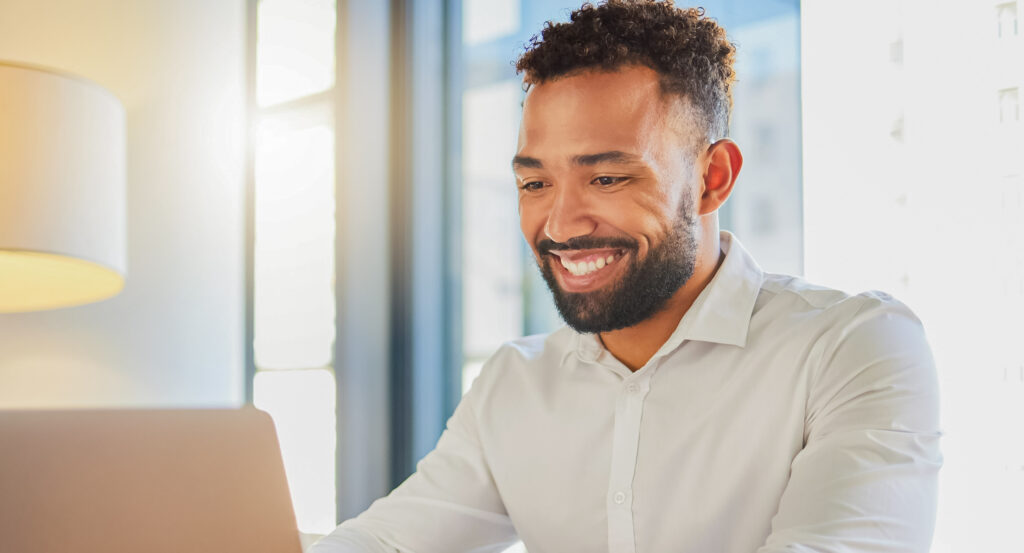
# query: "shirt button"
632 388
619 498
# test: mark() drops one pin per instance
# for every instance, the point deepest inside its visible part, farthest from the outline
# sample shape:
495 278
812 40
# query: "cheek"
531 223
640 216
650 229
659 210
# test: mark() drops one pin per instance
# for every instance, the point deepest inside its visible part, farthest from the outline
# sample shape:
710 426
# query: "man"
693 403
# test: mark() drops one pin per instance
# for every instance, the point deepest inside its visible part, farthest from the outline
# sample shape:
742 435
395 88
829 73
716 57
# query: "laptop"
154 481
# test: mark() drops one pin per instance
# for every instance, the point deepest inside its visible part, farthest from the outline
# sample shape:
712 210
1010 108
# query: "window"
1009 106
896 133
1006 17
293 322
347 257
896 51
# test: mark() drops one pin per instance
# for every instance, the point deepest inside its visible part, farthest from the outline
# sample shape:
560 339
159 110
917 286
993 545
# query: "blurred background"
322 218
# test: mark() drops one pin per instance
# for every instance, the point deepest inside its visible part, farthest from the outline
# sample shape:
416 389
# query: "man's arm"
449 505
866 480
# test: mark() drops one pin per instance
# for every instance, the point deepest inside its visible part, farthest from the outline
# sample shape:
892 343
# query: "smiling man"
693 403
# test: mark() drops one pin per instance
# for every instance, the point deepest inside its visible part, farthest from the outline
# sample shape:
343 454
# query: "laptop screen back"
159 481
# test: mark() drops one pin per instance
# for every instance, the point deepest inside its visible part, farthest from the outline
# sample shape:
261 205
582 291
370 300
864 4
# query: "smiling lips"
584 262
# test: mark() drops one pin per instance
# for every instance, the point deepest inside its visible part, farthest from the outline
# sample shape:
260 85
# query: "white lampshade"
62 190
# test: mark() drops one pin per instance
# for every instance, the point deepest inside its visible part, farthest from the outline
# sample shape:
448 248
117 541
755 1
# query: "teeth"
581 268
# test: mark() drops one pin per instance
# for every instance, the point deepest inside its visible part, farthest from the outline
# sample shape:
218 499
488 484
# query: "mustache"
547 245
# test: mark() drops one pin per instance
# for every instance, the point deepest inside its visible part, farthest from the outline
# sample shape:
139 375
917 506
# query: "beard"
641 292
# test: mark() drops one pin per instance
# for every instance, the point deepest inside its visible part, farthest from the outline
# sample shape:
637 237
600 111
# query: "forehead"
597 111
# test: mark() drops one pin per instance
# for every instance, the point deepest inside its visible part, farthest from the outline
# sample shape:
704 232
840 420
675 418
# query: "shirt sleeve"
866 479
449 505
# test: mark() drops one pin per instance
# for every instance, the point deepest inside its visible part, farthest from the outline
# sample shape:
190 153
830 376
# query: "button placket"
625 444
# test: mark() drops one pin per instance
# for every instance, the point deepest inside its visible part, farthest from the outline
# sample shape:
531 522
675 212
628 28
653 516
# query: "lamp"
62 190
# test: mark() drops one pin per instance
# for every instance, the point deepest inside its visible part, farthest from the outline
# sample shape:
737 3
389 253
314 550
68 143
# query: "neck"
634 346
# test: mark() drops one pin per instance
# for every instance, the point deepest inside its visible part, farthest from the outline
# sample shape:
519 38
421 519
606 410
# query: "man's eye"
607 181
532 185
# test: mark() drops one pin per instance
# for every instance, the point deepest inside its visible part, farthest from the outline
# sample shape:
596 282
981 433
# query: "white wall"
174 336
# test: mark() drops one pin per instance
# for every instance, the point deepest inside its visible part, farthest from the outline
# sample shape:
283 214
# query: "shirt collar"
720 314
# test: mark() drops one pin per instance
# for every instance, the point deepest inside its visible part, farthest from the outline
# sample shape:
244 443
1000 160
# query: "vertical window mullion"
363 276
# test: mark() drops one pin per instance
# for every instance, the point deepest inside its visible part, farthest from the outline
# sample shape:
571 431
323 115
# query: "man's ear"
723 163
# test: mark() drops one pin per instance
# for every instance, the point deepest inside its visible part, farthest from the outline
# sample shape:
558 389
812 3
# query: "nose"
569 216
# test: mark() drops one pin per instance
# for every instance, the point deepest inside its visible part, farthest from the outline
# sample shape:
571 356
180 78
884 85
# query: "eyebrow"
526 162
613 156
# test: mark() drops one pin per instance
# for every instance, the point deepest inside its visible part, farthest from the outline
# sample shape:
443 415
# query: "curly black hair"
688 50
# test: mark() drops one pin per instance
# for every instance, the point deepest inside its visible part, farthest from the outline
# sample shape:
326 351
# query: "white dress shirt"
779 416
